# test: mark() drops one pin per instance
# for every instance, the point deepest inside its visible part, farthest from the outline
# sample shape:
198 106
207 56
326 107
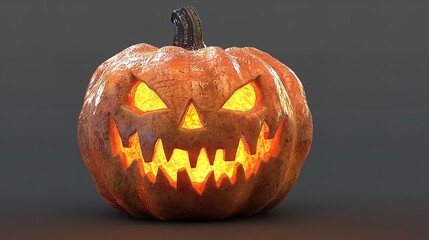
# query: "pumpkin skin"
205 79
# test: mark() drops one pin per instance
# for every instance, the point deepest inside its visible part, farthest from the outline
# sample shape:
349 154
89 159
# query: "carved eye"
243 99
145 99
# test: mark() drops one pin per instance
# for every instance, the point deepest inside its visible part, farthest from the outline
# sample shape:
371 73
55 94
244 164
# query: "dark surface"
364 65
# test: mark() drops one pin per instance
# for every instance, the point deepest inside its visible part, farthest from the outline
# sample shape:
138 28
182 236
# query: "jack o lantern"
194 132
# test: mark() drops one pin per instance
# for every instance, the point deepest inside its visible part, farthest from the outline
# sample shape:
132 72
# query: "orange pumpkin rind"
136 153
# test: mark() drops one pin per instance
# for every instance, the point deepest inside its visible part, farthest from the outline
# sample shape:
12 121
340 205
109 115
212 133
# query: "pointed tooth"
230 155
242 151
239 174
252 146
257 167
231 150
270 128
135 168
148 179
211 154
147 147
251 137
251 131
124 141
125 134
184 183
281 128
147 176
262 166
239 171
193 157
168 150
210 182
272 133
224 180
161 177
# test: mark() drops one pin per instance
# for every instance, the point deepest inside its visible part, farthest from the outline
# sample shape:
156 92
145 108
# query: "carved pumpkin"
191 132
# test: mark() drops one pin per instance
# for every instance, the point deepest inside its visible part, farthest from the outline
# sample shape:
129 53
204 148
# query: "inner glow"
191 119
180 160
242 100
146 99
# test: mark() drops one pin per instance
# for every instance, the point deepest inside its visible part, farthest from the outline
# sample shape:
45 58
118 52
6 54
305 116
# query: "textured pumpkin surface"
178 134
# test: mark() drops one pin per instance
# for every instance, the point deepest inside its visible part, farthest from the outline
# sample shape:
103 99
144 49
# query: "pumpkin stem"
189 33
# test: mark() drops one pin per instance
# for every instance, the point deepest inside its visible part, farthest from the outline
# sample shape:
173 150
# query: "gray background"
364 65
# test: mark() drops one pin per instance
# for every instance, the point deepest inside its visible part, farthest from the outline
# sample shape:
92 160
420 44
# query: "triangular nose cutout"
191 119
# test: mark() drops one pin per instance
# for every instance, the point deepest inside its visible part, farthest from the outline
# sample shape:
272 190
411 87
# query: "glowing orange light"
146 99
191 118
243 99
179 159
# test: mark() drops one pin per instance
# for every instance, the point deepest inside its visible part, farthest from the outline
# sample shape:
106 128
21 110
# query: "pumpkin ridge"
229 159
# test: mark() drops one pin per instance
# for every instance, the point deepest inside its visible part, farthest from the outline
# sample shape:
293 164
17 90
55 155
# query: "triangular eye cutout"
243 99
146 99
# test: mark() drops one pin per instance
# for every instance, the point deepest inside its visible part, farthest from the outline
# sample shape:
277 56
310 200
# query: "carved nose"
192 118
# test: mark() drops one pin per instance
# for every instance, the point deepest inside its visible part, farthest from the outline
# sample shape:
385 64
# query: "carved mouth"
199 173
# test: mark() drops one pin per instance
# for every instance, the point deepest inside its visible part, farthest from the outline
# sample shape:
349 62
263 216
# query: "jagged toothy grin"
199 171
